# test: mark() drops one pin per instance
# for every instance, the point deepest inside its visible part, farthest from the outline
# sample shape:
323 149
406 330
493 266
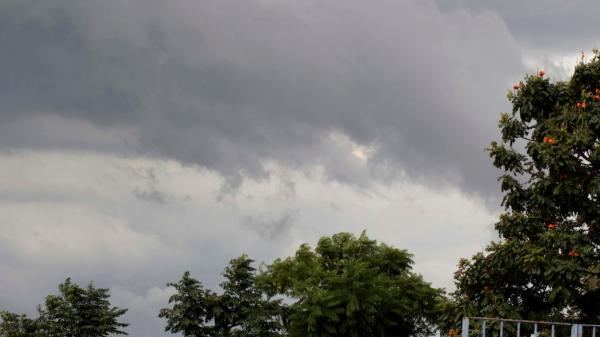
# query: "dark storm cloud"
50 67
564 26
230 85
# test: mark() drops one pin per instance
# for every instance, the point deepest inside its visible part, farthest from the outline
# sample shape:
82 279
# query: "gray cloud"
269 226
151 195
230 85
230 187
554 26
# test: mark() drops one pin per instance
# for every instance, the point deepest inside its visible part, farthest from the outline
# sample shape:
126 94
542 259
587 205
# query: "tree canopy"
546 264
242 310
14 325
353 287
74 312
346 286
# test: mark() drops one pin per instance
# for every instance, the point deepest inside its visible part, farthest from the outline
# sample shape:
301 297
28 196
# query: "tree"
242 310
248 306
193 308
350 286
546 264
14 325
80 312
74 312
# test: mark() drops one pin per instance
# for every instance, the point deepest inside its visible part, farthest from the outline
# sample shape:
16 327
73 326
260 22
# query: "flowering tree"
546 264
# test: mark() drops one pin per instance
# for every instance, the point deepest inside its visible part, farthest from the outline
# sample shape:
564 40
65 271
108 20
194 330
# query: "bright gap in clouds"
134 223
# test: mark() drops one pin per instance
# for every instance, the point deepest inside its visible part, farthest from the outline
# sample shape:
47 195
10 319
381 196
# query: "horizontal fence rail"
499 329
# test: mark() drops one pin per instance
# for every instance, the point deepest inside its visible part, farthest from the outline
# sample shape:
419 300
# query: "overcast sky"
143 138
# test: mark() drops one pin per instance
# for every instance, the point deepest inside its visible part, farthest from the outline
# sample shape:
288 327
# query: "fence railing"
484 325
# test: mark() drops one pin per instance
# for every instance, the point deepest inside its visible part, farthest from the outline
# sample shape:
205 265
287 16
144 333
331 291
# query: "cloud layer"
231 85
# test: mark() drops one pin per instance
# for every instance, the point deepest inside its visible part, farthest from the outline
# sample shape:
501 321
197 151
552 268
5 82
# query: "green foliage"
80 312
192 310
353 287
14 325
546 264
74 312
243 310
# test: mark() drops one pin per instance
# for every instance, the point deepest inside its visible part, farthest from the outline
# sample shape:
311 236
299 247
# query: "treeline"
346 286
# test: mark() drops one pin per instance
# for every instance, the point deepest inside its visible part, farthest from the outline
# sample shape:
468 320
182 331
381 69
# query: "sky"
143 138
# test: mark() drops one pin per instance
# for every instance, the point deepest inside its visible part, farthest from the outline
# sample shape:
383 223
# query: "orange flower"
516 86
578 104
549 140
541 73
551 226
574 253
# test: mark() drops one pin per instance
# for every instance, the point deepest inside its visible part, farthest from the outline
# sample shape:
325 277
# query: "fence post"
465 327
483 327
576 330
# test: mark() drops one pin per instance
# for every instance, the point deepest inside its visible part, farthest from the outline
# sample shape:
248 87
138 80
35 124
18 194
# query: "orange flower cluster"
574 253
551 226
581 105
549 140
453 332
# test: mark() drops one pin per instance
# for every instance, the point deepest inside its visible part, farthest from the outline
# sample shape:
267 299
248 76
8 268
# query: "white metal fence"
498 327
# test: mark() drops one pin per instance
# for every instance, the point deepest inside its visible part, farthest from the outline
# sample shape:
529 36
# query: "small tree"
242 310
193 308
74 312
547 263
353 287
80 312
14 325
